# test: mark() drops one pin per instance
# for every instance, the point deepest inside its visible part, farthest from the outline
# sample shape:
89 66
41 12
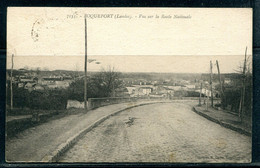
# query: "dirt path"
160 133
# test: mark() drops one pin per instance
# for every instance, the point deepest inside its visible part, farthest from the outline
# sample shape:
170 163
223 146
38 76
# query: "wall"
74 104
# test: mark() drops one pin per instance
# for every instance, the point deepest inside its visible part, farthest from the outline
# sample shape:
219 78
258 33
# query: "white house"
145 90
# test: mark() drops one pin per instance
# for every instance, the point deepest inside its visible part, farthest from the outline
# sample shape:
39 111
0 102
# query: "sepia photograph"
129 85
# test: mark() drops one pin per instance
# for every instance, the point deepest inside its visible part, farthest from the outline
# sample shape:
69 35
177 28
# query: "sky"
172 64
54 38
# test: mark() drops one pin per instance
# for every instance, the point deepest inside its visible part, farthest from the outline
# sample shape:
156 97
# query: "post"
204 100
221 88
86 60
211 90
11 83
200 94
207 103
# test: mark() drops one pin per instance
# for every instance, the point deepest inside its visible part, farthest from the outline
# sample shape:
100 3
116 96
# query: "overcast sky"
47 37
176 64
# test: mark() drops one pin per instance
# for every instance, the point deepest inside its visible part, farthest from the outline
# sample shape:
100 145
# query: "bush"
192 94
180 93
233 96
45 100
48 99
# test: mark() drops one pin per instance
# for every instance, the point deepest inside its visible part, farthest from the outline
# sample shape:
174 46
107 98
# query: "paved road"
35 143
168 132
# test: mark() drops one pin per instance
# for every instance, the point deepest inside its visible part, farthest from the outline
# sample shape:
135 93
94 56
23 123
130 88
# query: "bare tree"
101 84
110 80
245 70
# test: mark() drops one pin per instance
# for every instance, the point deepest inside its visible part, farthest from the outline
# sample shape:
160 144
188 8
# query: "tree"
20 96
239 91
101 84
245 73
76 90
108 81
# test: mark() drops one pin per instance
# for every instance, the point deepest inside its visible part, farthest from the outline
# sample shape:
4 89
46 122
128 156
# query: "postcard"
135 85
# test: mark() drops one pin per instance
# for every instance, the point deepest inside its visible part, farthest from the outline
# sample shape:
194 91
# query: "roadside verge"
223 121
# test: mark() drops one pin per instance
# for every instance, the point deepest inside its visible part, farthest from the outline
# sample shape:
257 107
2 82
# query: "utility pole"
200 94
242 98
11 83
211 90
221 88
86 60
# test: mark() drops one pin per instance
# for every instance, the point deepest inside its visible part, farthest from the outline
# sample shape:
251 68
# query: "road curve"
169 132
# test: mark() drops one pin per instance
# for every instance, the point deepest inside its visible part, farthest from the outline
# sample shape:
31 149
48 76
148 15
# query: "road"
166 132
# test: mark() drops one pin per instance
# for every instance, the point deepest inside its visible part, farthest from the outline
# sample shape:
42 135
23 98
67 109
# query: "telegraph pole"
86 60
211 84
11 83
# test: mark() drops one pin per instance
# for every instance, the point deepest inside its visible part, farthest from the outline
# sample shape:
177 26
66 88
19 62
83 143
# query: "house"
26 79
144 90
58 84
53 82
53 78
